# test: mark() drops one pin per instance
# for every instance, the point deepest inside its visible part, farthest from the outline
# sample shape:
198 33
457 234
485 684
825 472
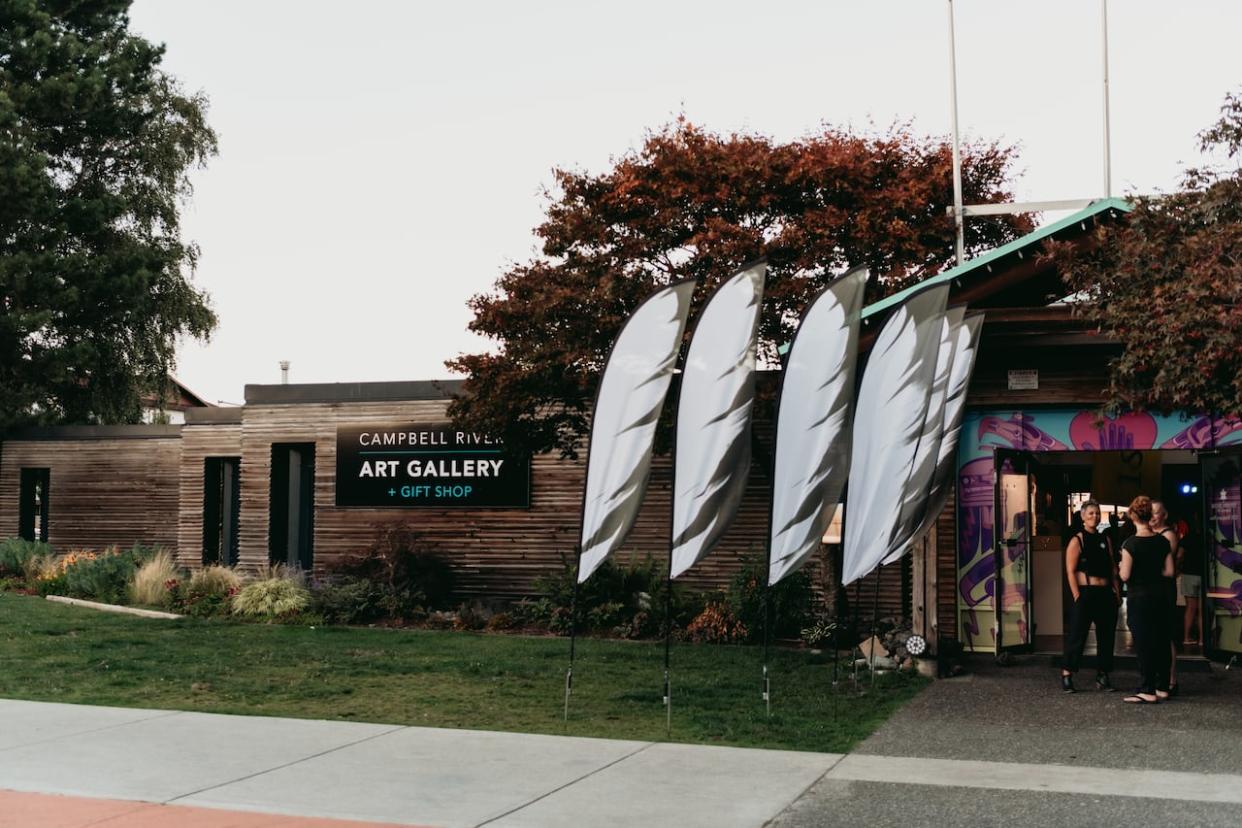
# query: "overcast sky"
380 162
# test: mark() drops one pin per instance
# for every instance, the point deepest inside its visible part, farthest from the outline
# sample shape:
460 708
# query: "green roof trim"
1048 230
1090 211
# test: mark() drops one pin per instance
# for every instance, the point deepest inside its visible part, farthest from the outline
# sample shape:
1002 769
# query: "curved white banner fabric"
914 496
631 396
813 423
888 422
712 455
966 348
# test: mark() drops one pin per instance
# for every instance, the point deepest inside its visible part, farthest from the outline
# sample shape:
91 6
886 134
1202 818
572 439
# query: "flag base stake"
668 705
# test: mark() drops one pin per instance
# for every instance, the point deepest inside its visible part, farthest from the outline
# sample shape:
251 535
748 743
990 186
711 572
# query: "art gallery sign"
412 465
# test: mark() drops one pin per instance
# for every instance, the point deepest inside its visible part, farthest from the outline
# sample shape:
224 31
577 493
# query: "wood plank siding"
103 491
199 442
497 553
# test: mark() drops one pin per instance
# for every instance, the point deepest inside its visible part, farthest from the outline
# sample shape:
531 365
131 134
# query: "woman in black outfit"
1091 572
1146 561
1160 525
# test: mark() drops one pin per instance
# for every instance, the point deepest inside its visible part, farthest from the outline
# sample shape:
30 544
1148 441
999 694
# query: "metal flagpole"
958 218
836 633
767 572
857 619
573 635
668 583
668 641
1108 171
875 622
767 638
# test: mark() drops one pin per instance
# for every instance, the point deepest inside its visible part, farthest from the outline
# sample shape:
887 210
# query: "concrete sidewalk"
383 773
239 766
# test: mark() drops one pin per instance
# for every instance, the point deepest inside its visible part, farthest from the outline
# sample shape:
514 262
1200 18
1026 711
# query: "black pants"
1095 605
1148 615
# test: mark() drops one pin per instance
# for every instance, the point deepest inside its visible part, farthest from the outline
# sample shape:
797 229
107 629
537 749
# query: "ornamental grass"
149 583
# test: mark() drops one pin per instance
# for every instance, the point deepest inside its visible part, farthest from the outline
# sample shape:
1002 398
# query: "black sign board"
421 466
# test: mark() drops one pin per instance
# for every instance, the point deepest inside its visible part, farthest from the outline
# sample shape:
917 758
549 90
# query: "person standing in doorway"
1160 525
1095 587
1146 563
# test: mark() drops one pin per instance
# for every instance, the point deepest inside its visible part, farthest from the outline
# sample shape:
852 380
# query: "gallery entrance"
1037 500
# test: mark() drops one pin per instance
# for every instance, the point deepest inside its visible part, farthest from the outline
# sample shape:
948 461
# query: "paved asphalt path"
997 747
1003 746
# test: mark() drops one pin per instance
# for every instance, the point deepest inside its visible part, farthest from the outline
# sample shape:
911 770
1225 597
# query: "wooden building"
309 473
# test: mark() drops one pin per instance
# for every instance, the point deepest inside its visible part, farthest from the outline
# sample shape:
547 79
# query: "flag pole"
875 622
668 583
668 643
573 634
767 638
958 213
857 619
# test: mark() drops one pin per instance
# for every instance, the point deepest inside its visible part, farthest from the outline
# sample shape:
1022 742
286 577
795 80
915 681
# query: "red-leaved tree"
1167 284
691 203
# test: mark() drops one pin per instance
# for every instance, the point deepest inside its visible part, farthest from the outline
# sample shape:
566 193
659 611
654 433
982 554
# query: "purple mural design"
1019 432
1204 432
1227 518
976 563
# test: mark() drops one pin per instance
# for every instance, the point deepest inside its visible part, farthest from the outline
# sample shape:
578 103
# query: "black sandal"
1137 698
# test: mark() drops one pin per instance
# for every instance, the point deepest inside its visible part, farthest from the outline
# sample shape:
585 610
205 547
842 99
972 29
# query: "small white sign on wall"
1023 379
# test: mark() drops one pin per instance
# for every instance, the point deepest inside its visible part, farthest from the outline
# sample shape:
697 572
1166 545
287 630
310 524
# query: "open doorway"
1038 499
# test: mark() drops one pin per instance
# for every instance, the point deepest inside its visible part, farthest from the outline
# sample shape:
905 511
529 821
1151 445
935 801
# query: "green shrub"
348 600
56 584
149 584
791 601
271 598
105 577
471 616
17 553
410 576
627 601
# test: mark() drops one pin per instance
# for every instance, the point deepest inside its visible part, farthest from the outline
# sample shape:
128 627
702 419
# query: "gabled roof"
972 274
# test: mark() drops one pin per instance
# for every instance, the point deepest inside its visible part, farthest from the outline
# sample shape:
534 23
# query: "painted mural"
1051 430
1224 584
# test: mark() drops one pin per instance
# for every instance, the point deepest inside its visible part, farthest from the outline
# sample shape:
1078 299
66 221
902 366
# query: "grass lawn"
51 652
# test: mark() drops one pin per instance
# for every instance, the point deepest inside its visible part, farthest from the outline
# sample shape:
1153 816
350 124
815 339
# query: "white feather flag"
623 423
966 347
888 422
712 455
914 495
813 424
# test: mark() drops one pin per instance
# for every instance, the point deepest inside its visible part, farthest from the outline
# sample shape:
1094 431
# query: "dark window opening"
292 505
221 509
33 504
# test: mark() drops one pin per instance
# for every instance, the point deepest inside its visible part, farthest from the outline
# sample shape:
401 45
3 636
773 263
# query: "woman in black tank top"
1093 583
1146 564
